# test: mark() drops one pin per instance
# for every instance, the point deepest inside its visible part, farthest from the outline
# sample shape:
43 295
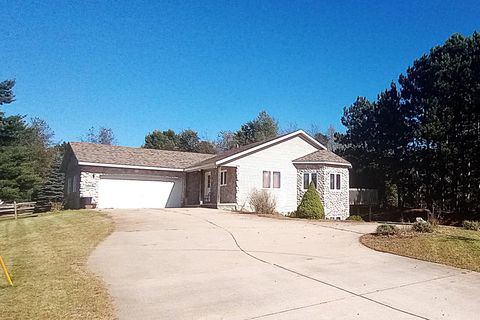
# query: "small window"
332 181
306 180
338 182
276 179
209 181
223 178
309 178
313 178
266 179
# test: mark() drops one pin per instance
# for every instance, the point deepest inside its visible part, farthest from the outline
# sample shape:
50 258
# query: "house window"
276 179
209 181
266 179
223 178
335 181
271 179
309 178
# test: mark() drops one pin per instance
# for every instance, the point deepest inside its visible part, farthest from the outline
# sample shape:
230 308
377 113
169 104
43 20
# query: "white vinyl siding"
277 158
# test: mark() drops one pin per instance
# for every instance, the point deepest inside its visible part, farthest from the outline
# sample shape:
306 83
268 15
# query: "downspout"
219 171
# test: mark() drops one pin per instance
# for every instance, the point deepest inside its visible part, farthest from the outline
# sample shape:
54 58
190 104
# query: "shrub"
355 218
263 202
387 229
311 206
422 226
292 214
471 225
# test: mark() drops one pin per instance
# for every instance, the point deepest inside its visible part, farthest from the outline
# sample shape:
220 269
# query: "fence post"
15 209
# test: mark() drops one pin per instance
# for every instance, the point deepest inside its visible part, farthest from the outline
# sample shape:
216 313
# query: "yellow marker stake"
6 271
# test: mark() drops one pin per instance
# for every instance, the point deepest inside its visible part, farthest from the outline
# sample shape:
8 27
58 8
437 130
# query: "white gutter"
323 162
108 165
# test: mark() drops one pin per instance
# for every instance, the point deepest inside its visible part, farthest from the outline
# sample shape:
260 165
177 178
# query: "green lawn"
46 257
448 245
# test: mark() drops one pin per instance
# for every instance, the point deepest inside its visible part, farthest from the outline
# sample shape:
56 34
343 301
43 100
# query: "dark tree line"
419 142
261 128
25 153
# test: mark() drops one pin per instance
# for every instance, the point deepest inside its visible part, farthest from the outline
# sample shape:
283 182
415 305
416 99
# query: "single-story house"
107 176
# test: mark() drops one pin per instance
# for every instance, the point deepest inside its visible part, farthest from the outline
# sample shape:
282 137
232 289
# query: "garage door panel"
135 193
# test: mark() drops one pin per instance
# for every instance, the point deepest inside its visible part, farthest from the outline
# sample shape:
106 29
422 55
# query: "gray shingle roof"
322 156
100 153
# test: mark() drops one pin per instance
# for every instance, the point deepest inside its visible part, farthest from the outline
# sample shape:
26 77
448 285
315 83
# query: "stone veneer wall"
89 185
335 202
315 169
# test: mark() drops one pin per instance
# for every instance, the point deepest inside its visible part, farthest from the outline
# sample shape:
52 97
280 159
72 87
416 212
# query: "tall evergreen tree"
261 128
52 188
24 153
423 139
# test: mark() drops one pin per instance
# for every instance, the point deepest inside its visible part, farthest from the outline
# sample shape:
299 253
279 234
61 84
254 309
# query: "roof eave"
343 164
124 166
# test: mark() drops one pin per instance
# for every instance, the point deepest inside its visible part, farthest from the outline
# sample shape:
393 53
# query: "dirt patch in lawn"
46 257
447 245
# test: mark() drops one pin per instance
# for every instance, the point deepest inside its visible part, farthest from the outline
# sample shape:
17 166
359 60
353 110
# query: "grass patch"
46 257
447 245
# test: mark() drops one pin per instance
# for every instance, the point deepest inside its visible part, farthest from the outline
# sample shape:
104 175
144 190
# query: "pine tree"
51 191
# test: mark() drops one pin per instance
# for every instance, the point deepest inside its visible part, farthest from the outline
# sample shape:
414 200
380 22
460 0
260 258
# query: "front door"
208 186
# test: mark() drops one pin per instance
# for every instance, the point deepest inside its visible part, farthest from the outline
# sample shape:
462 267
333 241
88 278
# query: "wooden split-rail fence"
17 210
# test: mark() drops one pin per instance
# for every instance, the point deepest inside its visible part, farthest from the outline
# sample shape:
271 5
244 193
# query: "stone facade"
335 202
89 185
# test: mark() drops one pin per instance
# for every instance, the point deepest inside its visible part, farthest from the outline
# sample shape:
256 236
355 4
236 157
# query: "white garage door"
129 193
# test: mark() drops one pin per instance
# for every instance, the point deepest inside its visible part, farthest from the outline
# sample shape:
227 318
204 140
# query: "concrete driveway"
210 264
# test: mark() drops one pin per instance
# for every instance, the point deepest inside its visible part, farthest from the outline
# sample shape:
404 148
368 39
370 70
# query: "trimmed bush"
422 226
263 202
355 218
471 225
387 229
311 206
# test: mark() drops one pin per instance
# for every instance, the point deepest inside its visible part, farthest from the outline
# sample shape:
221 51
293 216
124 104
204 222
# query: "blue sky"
137 66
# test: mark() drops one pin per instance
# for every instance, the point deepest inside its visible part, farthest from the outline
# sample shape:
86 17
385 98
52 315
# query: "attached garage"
105 176
139 192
